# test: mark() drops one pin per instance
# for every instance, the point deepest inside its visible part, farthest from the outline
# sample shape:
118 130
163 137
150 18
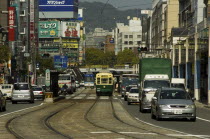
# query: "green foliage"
96 56
127 56
4 54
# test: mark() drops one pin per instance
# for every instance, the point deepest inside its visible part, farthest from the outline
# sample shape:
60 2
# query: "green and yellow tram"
104 84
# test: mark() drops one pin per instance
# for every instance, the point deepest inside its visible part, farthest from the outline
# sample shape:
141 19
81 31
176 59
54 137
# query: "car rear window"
37 89
21 87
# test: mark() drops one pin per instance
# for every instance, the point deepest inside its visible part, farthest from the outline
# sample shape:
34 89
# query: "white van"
178 83
7 89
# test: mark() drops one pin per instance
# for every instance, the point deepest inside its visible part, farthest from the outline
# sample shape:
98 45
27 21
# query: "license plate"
177 111
20 96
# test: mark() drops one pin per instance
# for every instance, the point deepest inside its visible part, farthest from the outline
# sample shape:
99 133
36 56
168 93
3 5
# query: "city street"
83 115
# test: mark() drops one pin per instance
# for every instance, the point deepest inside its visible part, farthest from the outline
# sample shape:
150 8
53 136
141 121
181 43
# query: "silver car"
22 93
133 96
173 103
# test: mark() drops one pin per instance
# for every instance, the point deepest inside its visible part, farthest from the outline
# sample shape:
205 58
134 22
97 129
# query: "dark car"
173 103
2 101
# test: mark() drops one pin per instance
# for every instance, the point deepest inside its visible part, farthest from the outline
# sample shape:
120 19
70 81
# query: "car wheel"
141 109
4 108
14 102
193 119
152 115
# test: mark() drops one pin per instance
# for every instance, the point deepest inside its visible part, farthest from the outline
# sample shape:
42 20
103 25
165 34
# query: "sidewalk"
202 104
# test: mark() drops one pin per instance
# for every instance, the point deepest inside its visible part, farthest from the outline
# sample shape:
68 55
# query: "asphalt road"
11 108
200 128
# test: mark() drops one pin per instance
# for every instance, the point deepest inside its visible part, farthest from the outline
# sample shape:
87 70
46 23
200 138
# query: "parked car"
6 89
3 102
173 103
22 92
38 92
133 95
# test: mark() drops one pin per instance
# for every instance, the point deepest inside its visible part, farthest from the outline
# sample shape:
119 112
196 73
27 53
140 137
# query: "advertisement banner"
70 45
49 29
57 5
70 29
11 23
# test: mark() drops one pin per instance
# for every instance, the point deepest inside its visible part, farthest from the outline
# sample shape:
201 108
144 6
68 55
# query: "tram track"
122 123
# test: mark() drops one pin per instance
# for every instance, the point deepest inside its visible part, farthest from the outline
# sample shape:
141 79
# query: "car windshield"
178 85
134 91
128 89
174 94
21 87
156 84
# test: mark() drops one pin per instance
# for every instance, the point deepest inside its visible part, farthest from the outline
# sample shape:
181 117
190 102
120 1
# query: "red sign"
11 23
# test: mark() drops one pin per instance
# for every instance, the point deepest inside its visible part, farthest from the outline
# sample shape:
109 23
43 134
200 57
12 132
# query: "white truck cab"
178 83
149 85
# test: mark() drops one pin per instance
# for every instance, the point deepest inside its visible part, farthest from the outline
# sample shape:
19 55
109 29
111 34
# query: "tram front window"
104 80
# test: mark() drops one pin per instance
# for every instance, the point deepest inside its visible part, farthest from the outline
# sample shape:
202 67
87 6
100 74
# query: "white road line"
20 110
138 133
203 119
189 135
181 133
101 132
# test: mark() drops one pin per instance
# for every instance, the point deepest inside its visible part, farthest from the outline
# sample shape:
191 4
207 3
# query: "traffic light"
37 65
141 49
46 55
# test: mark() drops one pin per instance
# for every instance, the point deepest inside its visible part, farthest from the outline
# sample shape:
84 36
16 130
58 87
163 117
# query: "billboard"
70 29
11 23
49 29
58 8
60 61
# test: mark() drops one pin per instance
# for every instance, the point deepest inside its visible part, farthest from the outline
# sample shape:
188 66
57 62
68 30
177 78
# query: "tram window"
110 80
98 80
104 80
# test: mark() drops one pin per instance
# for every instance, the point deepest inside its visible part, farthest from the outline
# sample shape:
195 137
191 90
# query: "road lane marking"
20 110
188 135
181 133
101 132
138 133
203 119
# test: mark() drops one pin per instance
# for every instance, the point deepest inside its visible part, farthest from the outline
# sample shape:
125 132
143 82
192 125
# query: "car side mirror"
154 98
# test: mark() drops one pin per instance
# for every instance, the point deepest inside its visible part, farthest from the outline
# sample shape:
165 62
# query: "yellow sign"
69 45
65 40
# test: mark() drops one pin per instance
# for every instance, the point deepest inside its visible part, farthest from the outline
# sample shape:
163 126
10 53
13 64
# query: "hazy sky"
126 4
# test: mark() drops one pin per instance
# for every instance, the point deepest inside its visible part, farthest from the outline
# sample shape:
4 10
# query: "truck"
153 74
178 83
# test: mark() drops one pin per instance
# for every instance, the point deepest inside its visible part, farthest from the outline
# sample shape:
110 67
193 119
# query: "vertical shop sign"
11 23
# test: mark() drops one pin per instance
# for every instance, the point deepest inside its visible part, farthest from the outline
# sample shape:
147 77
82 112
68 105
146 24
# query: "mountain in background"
99 15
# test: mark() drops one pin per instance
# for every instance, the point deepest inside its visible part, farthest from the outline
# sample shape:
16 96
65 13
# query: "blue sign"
60 61
57 5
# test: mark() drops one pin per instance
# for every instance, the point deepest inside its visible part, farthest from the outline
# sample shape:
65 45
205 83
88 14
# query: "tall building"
4 22
128 36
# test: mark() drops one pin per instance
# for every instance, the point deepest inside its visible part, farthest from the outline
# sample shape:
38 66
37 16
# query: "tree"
127 56
94 56
5 54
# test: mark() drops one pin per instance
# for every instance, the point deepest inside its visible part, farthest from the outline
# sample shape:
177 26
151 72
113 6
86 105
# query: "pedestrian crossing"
88 96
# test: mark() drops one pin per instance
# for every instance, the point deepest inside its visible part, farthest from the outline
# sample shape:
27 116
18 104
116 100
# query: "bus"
69 80
89 80
104 84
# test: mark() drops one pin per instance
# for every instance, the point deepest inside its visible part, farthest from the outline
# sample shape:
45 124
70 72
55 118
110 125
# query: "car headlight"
163 106
190 106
